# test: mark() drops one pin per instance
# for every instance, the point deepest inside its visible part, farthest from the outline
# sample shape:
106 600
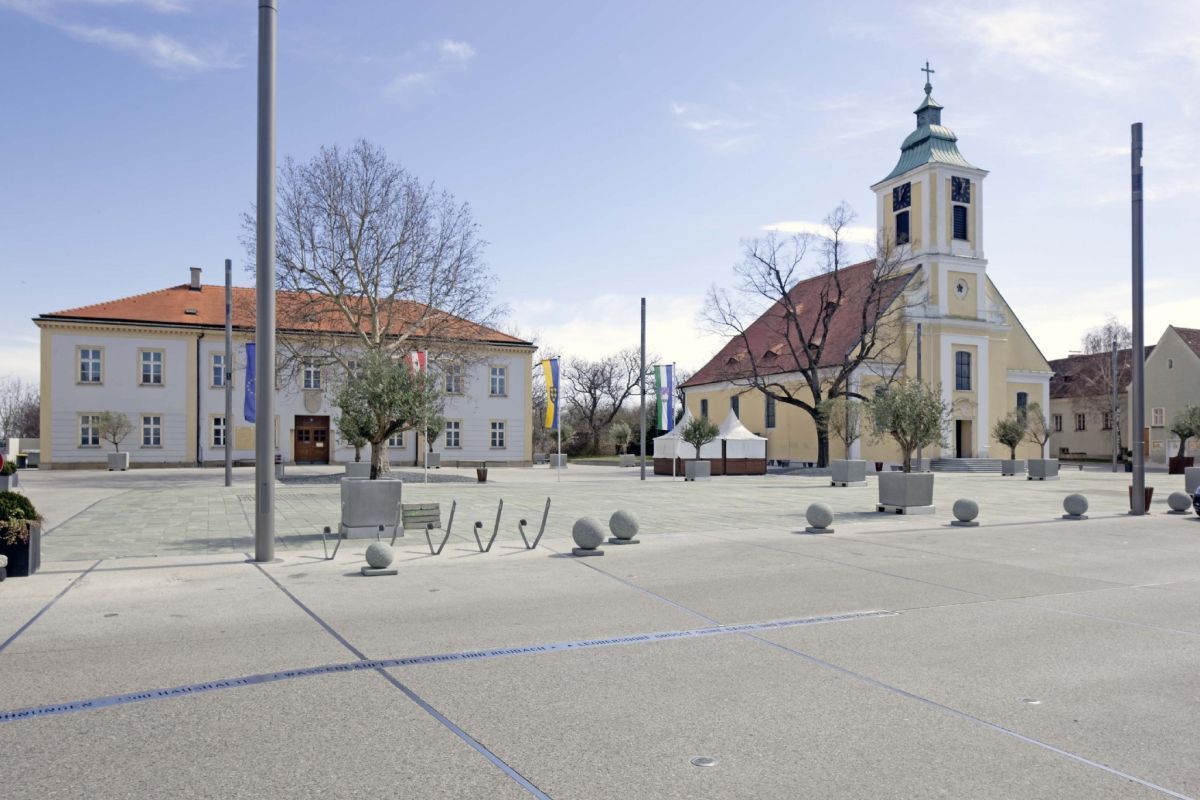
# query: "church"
953 327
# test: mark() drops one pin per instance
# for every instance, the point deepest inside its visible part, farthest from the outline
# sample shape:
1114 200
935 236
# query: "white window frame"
454 378
453 428
216 359
90 425
1080 421
98 361
144 362
396 439
1158 417
311 379
1057 420
147 427
497 426
497 371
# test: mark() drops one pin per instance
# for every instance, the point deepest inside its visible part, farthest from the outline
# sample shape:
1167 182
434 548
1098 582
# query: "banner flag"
664 388
550 367
248 405
416 360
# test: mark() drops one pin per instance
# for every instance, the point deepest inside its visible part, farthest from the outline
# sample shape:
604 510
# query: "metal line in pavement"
46 607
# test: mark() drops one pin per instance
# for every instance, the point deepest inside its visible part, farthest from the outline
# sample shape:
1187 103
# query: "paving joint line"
449 724
46 607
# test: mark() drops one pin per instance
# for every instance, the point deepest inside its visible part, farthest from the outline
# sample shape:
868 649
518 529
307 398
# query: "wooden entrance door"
312 440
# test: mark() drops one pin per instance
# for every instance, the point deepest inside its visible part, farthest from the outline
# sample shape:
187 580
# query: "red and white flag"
417 360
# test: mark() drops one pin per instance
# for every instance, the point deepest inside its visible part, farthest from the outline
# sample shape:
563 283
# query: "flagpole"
669 410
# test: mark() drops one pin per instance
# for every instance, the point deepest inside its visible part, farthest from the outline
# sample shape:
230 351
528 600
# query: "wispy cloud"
722 133
854 234
441 59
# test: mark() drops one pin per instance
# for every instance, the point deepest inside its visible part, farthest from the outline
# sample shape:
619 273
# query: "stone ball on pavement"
1179 501
819 515
623 524
1075 504
965 509
379 555
588 533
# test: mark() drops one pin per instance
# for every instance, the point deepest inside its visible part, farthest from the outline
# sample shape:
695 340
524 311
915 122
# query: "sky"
609 151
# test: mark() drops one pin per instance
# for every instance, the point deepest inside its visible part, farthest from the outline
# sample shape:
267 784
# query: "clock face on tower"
902 197
960 190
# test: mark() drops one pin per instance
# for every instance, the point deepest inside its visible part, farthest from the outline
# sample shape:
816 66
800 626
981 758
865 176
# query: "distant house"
158 357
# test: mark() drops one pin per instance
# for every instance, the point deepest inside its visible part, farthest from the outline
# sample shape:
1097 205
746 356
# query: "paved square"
898 657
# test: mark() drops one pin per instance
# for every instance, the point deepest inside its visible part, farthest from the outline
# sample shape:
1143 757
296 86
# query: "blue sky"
609 151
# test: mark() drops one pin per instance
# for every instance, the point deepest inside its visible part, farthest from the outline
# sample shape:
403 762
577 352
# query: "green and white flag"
664 389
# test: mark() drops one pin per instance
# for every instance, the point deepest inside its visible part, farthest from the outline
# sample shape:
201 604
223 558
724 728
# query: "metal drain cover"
704 761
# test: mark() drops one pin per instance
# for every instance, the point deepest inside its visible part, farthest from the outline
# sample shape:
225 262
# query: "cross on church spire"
928 72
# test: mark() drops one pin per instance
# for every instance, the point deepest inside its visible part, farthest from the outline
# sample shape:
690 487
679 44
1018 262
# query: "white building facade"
159 359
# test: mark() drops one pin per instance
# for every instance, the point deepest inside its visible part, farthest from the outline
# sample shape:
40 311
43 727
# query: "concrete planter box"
118 461
556 460
367 504
628 460
1191 480
1043 469
358 469
1011 467
433 460
24 558
697 471
906 492
848 472
8 482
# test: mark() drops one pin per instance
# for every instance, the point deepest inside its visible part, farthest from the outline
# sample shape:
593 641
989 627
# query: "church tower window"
902 236
960 222
962 371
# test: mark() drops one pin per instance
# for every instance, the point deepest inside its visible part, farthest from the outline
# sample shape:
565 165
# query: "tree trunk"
357 453
1182 446
379 463
908 460
822 447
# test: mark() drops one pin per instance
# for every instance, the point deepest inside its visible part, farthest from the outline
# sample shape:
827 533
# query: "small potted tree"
351 431
620 433
1009 431
1038 431
20 534
913 415
113 427
1185 425
699 432
842 418
433 429
8 475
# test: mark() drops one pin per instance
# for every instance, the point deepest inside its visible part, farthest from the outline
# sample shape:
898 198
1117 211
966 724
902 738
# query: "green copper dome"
931 142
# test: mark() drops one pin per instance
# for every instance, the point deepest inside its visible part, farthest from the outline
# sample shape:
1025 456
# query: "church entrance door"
962 438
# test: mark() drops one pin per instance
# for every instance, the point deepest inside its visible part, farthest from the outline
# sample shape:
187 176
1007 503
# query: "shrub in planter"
1009 431
20 534
913 415
1038 431
699 432
1185 425
113 427
8 476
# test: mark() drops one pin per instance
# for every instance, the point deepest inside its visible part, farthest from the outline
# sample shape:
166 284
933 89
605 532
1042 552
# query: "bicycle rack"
325 533
521 527
446 538
495 530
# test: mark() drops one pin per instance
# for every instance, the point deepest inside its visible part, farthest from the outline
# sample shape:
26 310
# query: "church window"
735 405
1022 400
704 408
962 371
902 236
770 411
960 190
960 222
902 197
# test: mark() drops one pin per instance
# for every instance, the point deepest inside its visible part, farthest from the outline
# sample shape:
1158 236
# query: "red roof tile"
295 312
773 356
1085 375
1190 336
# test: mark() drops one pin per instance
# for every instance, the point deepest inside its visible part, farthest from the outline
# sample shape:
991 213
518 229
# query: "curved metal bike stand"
326 532
446 538
521 527
495 530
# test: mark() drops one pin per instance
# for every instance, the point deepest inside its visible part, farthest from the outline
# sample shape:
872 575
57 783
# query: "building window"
1022 401
499 382
1158 417
1058 423
1107 424
453 434
218 432
735 405
902 228
962 371
312 375
770 412
1081 422
704 408
351 367
152 431
960 222
89 365
497 435
396 439
454 379
218 370
89 434
152 367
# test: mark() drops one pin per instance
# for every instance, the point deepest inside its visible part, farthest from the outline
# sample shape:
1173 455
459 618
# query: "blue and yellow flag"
550 367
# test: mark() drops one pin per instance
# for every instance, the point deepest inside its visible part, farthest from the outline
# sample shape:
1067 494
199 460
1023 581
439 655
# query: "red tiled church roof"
773 356
295 312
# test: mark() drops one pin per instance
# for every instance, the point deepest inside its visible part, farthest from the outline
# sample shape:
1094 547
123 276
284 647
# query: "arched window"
962 371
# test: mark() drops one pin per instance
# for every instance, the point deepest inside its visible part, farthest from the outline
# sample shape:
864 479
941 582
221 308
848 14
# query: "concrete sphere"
623 524
819 515
379 555
965 509
1075 504
1179 501
587 533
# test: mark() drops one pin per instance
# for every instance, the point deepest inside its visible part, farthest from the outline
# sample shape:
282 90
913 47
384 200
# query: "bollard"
819 516
965 511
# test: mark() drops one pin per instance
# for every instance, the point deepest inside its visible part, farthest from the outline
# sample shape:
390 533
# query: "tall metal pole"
642 417
264 332
919 354
1137 360
228 371
1116 410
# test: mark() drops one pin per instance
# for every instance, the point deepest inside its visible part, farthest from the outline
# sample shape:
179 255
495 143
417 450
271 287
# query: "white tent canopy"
672 445
739 441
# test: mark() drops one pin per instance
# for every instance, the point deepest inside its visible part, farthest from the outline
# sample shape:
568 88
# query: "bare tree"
821 333
1098 377
20 408
113 427
369 258
595 391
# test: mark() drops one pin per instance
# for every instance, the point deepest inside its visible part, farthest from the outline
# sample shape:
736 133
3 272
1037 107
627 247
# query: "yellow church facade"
956 330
